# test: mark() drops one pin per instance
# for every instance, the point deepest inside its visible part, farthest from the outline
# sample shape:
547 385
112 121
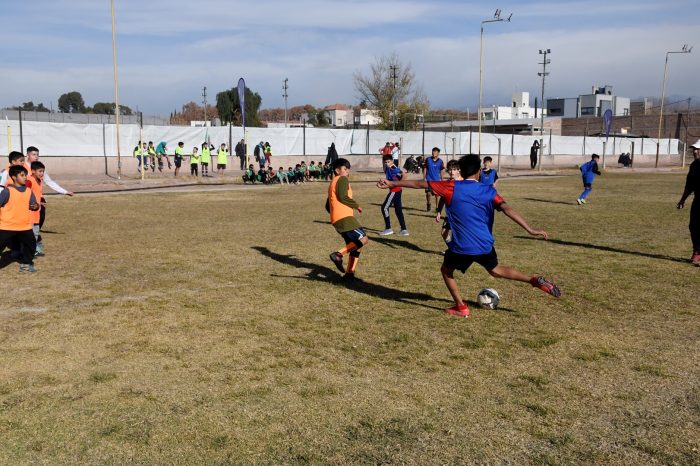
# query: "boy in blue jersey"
588 172
432 171
393 173
471 206
489 176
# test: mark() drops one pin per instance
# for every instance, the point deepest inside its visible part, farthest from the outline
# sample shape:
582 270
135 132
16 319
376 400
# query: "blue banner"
607 122
241 99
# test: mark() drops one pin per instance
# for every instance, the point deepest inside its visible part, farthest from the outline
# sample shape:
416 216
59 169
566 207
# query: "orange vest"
338 209
14 216
37 187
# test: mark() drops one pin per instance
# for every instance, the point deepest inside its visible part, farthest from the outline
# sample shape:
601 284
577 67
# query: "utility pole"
544 74
394 70
685 49
285 95
204 102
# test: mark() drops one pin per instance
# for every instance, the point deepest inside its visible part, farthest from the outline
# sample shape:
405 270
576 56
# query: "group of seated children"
301 173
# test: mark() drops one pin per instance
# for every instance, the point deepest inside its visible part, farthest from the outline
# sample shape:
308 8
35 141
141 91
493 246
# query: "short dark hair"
488 159
14 155
595 156
452 164
341 163
469 165
180 143
38 166
387 157
16 170
436 149
32 149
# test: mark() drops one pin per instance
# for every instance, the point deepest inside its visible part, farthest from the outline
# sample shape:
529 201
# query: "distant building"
519 108
594 104
367 117
340 114
641 107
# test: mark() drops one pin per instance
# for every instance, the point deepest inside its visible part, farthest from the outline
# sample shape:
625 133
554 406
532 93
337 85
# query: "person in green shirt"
206 158
179 154
249 175
195 159
221 159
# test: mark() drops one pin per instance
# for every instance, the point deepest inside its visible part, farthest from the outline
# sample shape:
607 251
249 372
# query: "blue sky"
169 49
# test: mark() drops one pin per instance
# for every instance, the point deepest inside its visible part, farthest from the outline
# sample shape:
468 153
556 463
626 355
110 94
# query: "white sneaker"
403 233
579 201
386 232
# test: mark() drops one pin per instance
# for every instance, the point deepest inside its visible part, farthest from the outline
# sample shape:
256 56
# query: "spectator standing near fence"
240 153
692 186
332 155
396 153
533 154
268 153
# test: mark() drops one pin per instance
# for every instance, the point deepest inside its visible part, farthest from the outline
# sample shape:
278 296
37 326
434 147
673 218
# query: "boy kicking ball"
470 207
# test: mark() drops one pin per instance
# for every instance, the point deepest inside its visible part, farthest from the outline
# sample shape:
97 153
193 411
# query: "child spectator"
489 176
152 156
393 173
17 201
341 207
162 151
268 153
282 176
471 206
206 158
249 175
195 158
262 176
179 154
272 175
221 159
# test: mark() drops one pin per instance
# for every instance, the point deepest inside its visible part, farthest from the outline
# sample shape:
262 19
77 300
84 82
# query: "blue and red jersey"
489 177
433 169
393 173
470 206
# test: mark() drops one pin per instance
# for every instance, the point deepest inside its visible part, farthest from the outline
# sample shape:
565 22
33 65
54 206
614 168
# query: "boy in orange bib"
35 182
17 202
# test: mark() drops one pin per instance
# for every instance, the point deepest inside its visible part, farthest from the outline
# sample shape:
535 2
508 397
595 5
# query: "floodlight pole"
285 95
544 74
685 49
496 19
394 69
116 96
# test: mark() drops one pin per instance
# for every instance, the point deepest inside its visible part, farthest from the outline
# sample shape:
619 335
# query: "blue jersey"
588 171
470 206
489 177
433 169
393 173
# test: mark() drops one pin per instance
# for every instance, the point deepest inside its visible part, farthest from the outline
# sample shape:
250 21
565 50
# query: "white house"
368 117
519 108
340 114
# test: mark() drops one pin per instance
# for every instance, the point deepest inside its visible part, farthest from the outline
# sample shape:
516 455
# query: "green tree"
30 107
379 90
229 107
71 102
107 108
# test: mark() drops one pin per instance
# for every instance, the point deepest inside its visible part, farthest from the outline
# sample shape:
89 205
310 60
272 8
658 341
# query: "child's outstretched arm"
517 218
414 184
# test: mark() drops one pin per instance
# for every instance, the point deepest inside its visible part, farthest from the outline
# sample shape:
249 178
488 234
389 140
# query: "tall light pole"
496 19
204 102
544 74
394 76
285 86
685 49
116 97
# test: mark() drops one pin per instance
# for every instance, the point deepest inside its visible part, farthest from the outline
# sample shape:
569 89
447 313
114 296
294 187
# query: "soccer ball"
488 298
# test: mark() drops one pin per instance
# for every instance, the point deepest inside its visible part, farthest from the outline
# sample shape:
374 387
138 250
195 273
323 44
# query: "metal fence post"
550 141
498 160
21 135
632 156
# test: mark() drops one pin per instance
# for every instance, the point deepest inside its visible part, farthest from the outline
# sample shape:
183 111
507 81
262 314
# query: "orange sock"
347 249
352 263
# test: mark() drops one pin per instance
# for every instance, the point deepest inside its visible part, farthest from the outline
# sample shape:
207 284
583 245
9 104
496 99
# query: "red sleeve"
28 184
443 189
498 200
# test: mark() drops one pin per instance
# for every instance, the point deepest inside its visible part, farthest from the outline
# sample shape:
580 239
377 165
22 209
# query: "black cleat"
337 259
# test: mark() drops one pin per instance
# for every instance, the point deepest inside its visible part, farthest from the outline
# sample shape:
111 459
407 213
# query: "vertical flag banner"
241 99
607 122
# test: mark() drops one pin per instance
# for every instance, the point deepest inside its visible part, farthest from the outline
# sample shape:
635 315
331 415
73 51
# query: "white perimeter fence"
90 140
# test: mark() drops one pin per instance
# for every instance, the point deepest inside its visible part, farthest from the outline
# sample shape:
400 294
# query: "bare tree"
391 84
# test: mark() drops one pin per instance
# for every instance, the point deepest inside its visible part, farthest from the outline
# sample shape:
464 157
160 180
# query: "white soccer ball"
488 298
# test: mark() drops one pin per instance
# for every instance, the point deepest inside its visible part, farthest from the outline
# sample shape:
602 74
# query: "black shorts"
178 162
462 262
588 185
220 166
354 236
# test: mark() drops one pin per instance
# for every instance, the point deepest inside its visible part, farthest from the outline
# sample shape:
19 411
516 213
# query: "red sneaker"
459 311
695 260
546 286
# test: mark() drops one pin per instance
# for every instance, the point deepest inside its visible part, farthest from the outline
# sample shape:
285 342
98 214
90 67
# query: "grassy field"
211 328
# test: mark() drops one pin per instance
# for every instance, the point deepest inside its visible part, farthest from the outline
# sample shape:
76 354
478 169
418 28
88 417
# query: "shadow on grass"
324 274
608 249
6 259
49 232
548 201
395 243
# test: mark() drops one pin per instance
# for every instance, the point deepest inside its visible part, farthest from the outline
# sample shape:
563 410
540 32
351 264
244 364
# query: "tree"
71 102
191 111
377 90
229 108
107 108
30 107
